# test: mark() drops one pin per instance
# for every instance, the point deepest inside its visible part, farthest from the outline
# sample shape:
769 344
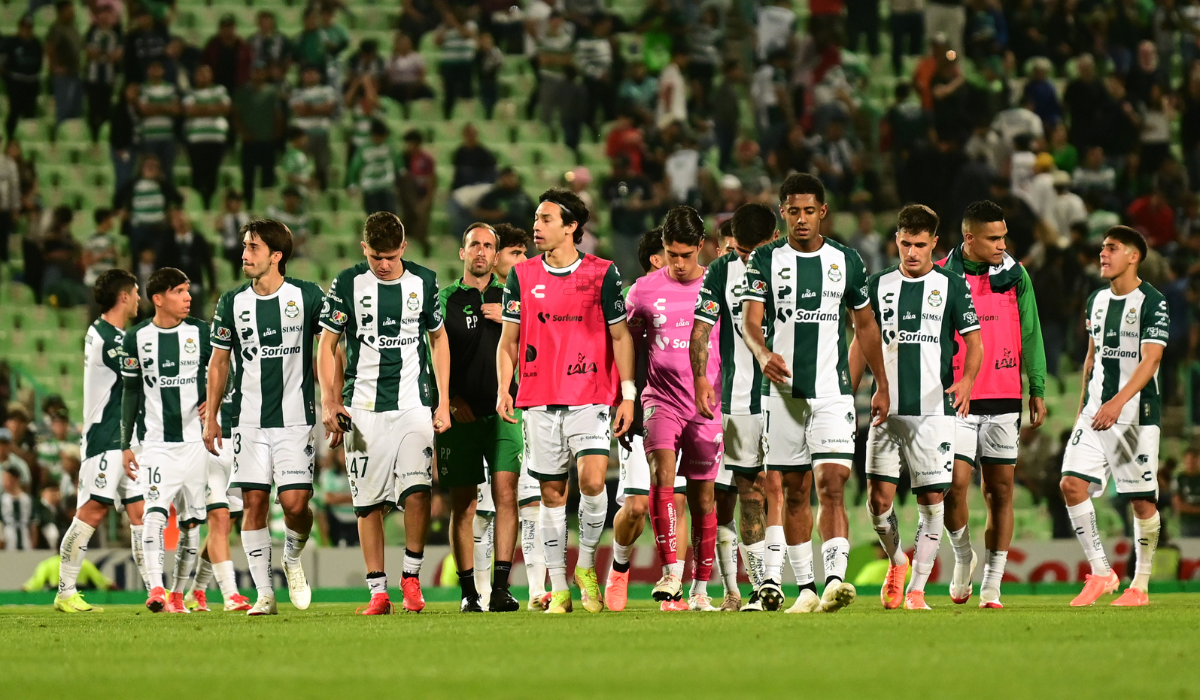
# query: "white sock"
204 575
835 553
152 547
699 587
676 569
993 574
185 559
139 559
377 584
753 555
293 545
71 551
727 548
531 551
592 511
483 528
773 559
226 581
888 529
257 544
930 523
1145 535
413 562
621 552
1083 519
960 540
553 523
800 556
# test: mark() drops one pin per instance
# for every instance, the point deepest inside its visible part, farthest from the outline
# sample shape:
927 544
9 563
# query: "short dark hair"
480 224
916 218
383 232
573 210
985 211
651 243
801 183
163 280
725 230
752 224
275 235
101 215
379 128
413 135
1129 237
683 225
109 286
510 237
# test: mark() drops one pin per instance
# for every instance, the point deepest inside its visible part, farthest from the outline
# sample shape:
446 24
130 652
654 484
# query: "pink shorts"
700 442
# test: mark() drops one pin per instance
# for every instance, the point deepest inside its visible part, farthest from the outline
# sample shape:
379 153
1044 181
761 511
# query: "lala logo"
581 366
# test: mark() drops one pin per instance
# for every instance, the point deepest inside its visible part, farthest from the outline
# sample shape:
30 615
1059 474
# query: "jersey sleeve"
757 272
611 299
511 307
444 298
112 352
222 331
335 310
873 296
712 292
962 308
1156 320
856 281
314 301
1033 353
431 310
131 367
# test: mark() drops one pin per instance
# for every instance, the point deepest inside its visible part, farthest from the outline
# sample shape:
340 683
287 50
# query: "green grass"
1036 647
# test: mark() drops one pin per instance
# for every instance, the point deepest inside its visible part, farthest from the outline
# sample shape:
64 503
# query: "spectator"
100 251
418 185
907 126
638 93
406 74
373 172
1119 131
418 17
122 134
295 216
366 63
104 46
16 513
11 460
187 250
731 197
364 101
157 108
862 22
1069 208
1019 120
595 57
672 90
554 53
1154 217
474 173
55 436
749 170
1189 125
507 202
1041 94
927 67
725 111
1084 97
64 53
312 107
573 110
206 108
268 47
488 62
61 278
907 22
10 199
228 56
22 68
335 37
630 198
794 155
23 444
297 170
1066 157
1094 175
308 48
1145 74
228 228
259 120
1154 123
867 240
625 139
948 87
775 27
456 41
1020 219
143 203
146 41
838 160
772 104
1187 494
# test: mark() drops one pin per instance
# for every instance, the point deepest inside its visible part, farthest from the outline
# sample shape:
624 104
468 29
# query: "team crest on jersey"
291 310
834 274
189 346
413 303
130 363
223 334
934 299
1131 317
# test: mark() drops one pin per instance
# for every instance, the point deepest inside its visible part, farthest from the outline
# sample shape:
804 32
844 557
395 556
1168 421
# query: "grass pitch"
1036 647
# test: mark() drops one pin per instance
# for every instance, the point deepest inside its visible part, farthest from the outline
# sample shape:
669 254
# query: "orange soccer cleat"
201 601
1094 587
380 605
157 600
413 600
674 605
237 602
915 600
175 603
892 591
616 590
1132 598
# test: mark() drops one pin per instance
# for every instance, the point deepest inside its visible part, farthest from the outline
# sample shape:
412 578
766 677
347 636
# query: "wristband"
628 390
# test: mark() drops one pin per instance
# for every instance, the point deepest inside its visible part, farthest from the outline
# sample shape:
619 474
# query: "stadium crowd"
1073 115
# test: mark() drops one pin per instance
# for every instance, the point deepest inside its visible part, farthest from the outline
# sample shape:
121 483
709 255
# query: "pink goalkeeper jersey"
664 309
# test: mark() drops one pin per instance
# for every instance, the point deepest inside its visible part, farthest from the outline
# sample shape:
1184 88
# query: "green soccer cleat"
74 604
560 602
589 589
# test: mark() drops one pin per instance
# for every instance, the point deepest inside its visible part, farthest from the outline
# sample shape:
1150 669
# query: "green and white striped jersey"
207 129
272 337
170 365
360 125
386 325
299 223
160 127
805 297
917 319
1119 327
373 167
721 300
316 96
458 47
147 204
102 387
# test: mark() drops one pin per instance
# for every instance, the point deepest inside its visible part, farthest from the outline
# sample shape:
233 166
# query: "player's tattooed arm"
698 354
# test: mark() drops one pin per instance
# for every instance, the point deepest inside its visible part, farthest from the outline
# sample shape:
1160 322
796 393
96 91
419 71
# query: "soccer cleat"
199 602
1094 587
915 600
673 605
837 596
75 604
380 605
265 605
157 600
991 604
539 603
237 602
806 602
298 590
1132 598
961 586
755 604
989 598
732 602
175 603
669 587
589 590
892 591
413 600
772 595
700 603
470 604
616 590
560 602
502 600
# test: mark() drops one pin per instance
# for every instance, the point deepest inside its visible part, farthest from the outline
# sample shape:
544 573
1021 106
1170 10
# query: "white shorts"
102 479
635 470
219 494
743 443
174 472
987 439
923 444
800 432
389 456
552 435
279 456
529 490
1129 453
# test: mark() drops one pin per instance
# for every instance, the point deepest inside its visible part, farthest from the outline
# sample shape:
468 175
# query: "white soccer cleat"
772 595
754 605
989 598
961 586
669 587
701 603
837 596
265 605
298 590
806 602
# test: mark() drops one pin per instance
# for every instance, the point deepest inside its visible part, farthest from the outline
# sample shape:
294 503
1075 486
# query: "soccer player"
387 309
1117 430
988 437
163 365
741 478
101 483
270 322
919 307
799 288
470 307
565 329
